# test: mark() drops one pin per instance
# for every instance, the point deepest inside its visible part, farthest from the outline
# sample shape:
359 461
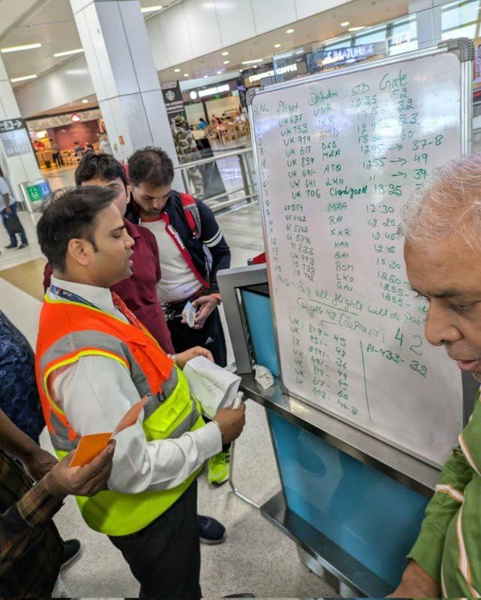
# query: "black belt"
173 310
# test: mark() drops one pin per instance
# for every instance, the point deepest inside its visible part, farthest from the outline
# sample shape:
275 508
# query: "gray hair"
449 203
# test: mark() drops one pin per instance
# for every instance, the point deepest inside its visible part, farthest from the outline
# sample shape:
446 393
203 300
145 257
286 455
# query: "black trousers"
211 336
164 557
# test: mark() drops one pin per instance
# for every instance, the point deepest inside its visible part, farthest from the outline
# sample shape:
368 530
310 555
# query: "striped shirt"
30 546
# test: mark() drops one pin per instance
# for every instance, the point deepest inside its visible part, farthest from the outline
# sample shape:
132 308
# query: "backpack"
192 214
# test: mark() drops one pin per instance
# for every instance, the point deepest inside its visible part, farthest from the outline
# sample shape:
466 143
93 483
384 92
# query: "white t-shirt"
4 189
178 281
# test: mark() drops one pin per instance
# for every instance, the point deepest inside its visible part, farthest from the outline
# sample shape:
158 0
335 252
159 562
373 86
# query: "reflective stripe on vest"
169 412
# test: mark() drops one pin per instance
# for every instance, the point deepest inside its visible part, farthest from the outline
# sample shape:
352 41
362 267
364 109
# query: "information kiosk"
364 412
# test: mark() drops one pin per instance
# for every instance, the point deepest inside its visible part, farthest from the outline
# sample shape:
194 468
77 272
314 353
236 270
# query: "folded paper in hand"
212 385
92 445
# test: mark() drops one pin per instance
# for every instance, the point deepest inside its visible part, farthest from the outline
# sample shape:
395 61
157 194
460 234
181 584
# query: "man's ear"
129 192
80 251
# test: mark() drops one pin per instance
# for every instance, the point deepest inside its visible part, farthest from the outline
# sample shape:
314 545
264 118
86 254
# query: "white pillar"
19 166
121 65
428 22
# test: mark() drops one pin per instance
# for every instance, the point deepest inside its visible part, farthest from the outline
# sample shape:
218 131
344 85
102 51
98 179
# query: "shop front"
60 140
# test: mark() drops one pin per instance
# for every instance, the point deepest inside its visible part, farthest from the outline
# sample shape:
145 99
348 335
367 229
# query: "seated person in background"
31 551
443 257
203 123
78 149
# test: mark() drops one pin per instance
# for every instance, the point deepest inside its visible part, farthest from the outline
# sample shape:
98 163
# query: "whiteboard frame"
463 48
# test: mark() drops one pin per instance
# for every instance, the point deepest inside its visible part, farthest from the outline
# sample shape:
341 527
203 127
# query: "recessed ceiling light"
186 74
149 9
290 31
256 66
68 52
205 76
24 78
85 101
176 70
345 23
225 53
357 28
277 45
219 72
251 62
20 48
227 62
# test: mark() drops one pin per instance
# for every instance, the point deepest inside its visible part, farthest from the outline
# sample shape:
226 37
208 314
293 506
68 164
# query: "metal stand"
231 480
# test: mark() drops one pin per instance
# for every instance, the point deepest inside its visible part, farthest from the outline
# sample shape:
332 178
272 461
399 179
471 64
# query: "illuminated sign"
280 71
220 89
344 55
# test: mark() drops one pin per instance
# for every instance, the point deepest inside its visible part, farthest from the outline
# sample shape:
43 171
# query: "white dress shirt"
96 392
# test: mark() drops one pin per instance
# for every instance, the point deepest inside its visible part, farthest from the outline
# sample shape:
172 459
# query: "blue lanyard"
70 296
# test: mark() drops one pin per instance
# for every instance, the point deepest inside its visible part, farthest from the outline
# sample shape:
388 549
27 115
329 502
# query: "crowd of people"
123 258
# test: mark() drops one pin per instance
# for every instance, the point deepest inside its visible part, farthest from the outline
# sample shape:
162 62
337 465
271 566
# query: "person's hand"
231 422
416 583
204 305
39 463
184 357
80 481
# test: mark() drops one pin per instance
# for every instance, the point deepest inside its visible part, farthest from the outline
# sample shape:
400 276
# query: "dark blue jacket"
209 251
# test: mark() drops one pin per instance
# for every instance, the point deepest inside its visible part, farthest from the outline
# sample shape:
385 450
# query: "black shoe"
210 530
22 246
10 247
71 551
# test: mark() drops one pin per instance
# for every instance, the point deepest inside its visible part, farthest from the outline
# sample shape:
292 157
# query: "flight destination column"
297 152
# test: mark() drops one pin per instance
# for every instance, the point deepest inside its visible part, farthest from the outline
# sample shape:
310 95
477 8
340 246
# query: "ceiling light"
24 78
186 74
251 62
357 28
227 62
68 52
149 9
290 31
345 23
19 48
206 76
277 45
176 70
85 101
219 72
225 53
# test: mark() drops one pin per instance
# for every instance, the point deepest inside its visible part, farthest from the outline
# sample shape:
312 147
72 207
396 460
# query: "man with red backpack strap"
192 249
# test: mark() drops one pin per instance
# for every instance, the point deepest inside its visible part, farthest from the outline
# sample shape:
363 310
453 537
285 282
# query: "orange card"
89 447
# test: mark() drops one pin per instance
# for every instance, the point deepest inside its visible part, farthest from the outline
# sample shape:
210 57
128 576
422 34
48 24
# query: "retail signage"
220 89
325 58
292 68
37 190
174 103
14 137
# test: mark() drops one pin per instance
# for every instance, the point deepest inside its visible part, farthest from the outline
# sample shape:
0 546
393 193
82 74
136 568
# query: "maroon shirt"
139 291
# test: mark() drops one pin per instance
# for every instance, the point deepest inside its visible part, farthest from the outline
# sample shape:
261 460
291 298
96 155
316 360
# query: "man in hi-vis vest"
94 361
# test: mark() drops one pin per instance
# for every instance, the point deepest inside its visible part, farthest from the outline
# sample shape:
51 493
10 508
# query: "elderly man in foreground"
442 227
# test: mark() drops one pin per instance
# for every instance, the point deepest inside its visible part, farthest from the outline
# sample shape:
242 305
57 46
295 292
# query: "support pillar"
121 64
17 157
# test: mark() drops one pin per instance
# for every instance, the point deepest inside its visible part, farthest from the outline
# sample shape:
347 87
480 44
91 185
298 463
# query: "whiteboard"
337 157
